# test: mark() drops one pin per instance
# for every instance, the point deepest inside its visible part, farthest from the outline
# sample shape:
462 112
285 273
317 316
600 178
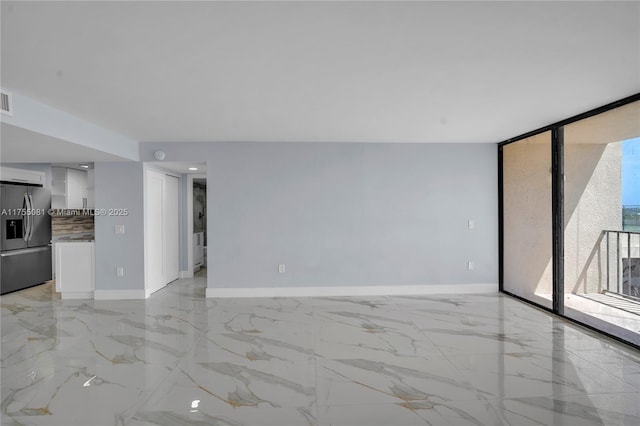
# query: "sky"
631 172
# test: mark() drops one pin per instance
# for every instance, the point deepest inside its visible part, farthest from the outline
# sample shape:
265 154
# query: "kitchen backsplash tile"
68 225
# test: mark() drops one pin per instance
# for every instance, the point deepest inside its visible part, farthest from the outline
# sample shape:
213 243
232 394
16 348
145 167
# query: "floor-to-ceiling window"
601 259
570 218
527 218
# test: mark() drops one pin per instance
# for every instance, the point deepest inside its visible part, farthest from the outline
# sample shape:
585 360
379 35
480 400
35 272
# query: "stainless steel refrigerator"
25 240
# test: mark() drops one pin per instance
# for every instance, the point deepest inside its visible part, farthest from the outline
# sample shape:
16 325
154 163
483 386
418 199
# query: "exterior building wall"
593 203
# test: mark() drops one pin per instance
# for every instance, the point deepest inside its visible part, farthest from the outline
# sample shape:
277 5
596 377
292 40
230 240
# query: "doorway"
199 224
196 223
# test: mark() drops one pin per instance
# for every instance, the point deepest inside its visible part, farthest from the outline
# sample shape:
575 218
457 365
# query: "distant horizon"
631 172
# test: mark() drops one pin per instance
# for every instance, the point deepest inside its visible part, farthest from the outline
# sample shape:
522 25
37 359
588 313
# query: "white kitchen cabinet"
198 250
76 189
75 269
69 189
9 174
58 188
91 199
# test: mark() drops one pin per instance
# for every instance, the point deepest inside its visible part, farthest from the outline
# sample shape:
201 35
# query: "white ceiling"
321 71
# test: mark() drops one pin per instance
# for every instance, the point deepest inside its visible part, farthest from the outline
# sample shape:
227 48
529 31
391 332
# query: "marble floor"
180 359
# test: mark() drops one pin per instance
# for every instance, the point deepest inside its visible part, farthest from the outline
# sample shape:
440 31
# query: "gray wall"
346 214
119 185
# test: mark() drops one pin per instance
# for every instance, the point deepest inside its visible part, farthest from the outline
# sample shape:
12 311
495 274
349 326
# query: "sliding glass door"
601 238
570 218
527 254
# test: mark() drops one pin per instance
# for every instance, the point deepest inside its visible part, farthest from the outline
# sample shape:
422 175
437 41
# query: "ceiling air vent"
7 104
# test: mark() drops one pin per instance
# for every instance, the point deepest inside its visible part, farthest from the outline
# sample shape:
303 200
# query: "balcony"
608 288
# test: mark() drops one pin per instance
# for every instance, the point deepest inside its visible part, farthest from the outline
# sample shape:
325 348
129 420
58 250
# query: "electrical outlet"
281 268
120 271
471 266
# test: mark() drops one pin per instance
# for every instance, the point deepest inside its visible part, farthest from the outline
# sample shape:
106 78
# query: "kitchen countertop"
69 238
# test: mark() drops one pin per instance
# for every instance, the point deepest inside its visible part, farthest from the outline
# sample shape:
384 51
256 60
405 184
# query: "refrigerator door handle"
25 218
25 251
31 210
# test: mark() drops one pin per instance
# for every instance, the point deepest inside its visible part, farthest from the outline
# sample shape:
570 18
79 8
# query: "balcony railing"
623 263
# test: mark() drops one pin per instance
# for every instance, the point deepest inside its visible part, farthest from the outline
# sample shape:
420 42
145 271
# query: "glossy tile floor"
178 359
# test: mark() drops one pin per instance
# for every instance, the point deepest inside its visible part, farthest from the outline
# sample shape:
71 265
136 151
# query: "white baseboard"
119 294
70 295
186 274
383 290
